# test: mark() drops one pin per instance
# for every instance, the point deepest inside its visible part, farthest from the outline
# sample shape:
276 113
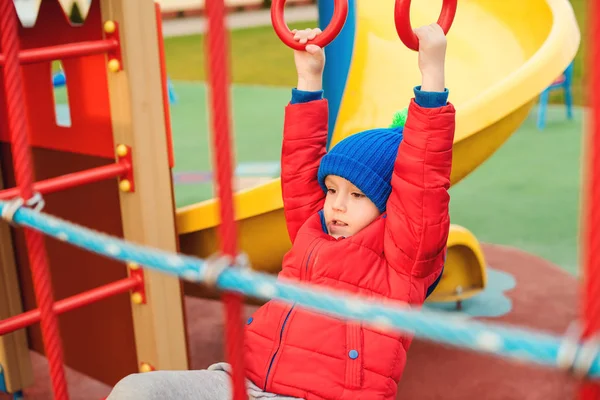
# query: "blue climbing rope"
509 342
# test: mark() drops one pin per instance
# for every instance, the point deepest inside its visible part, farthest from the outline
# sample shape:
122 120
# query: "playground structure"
121 129
120 122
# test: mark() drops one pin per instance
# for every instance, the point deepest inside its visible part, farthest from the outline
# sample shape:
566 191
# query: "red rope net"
218 73
17 123
591 212
218 69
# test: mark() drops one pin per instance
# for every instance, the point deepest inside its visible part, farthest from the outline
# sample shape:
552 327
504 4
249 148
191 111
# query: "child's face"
347 210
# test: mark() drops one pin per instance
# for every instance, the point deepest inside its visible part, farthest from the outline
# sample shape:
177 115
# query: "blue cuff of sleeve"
301 96
430 99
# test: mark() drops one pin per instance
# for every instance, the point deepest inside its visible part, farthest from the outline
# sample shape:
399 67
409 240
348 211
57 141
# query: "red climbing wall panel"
90 132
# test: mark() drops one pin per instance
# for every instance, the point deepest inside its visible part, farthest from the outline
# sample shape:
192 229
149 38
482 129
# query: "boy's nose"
339 205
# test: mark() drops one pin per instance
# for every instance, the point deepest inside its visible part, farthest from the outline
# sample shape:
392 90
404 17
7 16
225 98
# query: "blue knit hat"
367 160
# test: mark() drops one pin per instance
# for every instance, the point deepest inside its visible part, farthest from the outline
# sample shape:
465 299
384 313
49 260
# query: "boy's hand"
309 63
432 55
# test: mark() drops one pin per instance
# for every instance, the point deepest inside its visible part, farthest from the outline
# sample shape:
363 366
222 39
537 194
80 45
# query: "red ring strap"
404 27
338 20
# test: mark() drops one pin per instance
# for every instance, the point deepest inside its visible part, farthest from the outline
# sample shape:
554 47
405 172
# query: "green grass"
527 194
258 57
257 129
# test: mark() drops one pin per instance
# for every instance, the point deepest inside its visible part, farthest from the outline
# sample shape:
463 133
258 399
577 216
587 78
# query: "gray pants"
209 384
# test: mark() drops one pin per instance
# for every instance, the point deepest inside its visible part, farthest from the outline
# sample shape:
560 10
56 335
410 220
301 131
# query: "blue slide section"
339 57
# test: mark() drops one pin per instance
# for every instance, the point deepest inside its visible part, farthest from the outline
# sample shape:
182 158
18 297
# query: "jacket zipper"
307 264
285 322
278 347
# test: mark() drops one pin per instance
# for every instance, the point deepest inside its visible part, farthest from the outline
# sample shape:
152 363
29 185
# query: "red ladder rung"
71 303
64 51
74 179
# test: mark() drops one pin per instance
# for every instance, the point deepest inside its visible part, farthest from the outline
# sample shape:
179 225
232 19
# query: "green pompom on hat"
399 119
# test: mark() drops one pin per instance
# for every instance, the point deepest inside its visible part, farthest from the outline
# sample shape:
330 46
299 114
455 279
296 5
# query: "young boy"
370 217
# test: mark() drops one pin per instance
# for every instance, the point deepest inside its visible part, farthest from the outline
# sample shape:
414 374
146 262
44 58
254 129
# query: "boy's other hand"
309 63
432 55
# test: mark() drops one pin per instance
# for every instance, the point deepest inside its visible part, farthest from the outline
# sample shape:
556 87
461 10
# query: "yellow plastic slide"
501 55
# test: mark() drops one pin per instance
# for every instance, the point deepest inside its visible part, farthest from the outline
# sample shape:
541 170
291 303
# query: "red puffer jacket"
294 352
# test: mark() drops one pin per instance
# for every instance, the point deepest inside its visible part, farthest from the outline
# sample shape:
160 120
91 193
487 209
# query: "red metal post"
218 76
72 180
62 306
590 252
64 51
165 89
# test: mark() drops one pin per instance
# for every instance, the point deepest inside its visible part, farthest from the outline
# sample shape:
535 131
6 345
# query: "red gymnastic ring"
338 20
404 27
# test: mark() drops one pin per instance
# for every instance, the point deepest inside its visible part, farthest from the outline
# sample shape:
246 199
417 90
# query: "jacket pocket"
354 355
